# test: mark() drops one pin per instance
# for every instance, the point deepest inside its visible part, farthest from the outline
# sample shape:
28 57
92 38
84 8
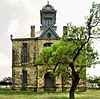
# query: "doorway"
49 82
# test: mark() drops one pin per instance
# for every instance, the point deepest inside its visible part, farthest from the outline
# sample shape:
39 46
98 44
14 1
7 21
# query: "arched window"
47 44
49 35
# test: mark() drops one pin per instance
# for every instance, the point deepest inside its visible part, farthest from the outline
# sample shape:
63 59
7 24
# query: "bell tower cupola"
48 17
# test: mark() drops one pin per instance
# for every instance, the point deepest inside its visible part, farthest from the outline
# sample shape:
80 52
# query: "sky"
16 17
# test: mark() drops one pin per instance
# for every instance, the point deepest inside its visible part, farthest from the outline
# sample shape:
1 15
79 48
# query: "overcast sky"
16 17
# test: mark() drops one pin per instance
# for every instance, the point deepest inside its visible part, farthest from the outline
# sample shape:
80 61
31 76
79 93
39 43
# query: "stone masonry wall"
34 80
18 66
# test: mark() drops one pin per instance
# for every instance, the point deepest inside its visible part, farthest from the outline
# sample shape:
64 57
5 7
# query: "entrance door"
49 82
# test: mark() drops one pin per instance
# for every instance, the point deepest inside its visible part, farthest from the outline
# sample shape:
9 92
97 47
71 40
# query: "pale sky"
16 17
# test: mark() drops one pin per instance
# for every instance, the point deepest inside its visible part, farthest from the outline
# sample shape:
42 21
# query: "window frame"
24 77
47 44
24 52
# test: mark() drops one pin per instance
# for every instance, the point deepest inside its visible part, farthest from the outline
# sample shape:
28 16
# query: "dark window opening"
24 53
13 56
24 77
49 35
47 44
49 82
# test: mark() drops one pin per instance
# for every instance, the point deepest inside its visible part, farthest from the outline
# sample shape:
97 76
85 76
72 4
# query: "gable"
49 34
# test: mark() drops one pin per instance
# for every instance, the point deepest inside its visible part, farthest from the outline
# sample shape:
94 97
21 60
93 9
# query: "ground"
7 94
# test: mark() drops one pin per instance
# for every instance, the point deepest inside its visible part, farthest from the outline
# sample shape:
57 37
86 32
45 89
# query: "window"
49 35
24 77
47 44
13 56
24 53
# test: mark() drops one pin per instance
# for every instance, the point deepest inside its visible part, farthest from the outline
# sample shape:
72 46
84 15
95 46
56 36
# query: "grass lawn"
7 94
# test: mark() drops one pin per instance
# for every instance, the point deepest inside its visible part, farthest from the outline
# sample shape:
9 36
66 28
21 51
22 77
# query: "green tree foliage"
98 82
73 52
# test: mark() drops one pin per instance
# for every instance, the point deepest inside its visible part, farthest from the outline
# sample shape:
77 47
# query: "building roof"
53 34
48 7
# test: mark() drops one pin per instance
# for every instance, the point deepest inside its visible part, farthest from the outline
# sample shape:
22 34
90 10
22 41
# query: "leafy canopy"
62 53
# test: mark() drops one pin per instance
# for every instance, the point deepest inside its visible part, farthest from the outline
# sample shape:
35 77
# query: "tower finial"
48 2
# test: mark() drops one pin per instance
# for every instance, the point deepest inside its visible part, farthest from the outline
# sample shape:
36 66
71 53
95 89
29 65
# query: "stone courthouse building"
25 75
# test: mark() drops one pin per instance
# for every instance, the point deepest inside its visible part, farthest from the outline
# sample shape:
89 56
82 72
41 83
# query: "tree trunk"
73 87
72 96
75 81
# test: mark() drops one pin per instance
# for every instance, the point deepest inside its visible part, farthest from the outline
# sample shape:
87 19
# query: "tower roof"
48 7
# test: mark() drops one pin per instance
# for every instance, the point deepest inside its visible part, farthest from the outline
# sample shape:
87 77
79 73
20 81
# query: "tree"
7 79
94 80
98 82
73 51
